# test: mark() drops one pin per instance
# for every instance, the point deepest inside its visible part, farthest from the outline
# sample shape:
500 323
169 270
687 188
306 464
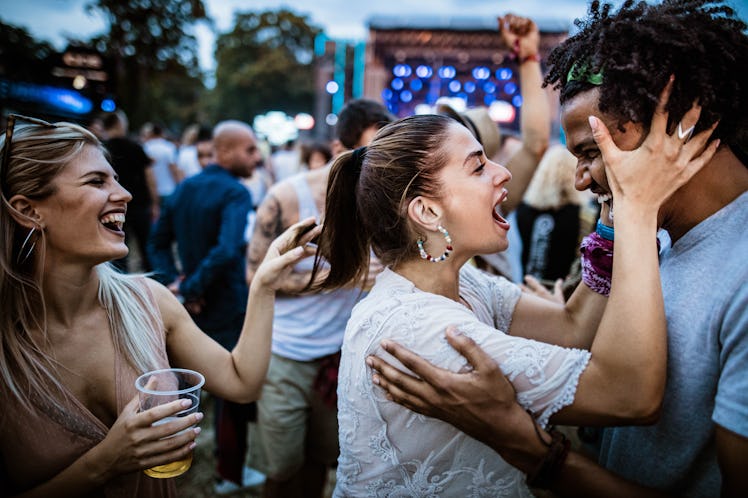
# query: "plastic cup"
164 386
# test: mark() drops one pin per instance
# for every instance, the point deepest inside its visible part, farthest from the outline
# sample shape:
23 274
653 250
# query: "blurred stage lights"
447 72
402 70
304 121
481 73
332 87
108 105
331 119
424 71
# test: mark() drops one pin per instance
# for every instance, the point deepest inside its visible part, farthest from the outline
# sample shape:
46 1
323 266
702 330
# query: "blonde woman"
74 333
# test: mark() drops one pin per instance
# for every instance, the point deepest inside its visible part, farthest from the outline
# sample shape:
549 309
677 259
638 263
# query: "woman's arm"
236 376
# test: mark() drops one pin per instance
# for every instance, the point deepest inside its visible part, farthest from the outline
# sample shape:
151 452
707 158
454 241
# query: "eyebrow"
100 173
579 148
472 155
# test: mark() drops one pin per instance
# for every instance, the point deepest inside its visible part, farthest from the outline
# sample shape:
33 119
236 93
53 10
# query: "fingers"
659 119
159 412
470 350
299 233
413 362
602 138
399 386
533 284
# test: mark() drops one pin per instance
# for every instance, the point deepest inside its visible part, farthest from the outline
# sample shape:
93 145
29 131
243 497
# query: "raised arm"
236 376
522 35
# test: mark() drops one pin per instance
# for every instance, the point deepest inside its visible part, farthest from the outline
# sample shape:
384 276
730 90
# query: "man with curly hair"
610 75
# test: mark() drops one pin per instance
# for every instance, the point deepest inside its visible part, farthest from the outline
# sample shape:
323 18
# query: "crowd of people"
351 305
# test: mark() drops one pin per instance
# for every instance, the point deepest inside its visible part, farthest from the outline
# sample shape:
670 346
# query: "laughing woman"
74 333
425 198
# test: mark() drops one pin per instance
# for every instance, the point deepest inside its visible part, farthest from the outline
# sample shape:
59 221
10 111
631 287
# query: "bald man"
206 217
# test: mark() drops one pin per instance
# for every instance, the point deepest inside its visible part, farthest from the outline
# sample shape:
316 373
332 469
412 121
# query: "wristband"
534 57
547 470
604 231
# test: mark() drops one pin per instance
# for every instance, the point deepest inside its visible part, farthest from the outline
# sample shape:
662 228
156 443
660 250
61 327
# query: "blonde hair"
552 185
27 370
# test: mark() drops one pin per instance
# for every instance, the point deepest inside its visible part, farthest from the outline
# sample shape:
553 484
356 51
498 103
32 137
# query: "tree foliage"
154 49
265 63
22 57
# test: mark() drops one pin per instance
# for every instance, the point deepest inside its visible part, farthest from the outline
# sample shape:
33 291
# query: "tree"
265 63
22 58
155 56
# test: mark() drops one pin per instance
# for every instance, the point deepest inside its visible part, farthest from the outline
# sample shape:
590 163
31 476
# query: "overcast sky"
52 20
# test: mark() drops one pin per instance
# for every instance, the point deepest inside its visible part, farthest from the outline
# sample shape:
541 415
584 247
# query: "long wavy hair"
38 154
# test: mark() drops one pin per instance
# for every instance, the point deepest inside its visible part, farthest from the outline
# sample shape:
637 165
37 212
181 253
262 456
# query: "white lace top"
389 451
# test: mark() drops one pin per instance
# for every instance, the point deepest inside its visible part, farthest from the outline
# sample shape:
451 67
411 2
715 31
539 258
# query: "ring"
685 134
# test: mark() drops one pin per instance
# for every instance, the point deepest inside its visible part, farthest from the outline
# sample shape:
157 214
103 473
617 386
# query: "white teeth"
603 198
116 219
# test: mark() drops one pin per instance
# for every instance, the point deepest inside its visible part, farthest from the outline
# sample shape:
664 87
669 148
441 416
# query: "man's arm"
732 454
482 403
159 248
273 217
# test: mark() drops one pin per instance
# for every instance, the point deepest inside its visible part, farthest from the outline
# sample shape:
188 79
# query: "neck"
441 278
717 184
69 292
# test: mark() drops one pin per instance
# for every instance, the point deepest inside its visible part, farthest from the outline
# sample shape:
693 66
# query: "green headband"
583 72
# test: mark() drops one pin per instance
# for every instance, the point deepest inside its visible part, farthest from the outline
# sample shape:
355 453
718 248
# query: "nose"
501 175
120 193
582 178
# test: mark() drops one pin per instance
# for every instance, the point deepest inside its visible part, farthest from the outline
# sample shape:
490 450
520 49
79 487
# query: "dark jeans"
231 425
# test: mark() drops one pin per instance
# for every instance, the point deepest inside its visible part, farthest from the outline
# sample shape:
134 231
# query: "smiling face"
473 189
83 218
590 171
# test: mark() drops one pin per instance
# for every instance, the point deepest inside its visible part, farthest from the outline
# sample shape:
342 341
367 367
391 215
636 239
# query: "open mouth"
606 199
497 217
113 221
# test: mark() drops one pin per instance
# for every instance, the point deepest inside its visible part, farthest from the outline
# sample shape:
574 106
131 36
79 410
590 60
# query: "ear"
425 213
24 212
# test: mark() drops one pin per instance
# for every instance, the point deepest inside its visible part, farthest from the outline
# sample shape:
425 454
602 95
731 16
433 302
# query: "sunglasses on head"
11 124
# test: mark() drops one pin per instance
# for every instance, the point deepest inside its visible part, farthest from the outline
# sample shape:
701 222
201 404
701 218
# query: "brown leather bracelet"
545 473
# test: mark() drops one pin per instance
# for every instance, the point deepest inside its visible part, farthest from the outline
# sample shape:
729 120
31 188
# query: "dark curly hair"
701 42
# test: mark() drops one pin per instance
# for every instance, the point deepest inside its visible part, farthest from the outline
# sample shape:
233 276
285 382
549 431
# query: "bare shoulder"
167 303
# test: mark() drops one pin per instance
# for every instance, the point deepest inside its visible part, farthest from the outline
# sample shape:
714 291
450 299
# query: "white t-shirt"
388 450
163 154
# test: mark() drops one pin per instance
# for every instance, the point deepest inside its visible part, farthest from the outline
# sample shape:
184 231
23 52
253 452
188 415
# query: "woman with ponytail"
425 199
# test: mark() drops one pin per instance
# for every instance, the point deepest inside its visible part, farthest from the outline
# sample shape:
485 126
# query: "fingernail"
593 123
186 403
386 345
454 332
717 142
192 445
199 416
369 361
375 379
197 430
